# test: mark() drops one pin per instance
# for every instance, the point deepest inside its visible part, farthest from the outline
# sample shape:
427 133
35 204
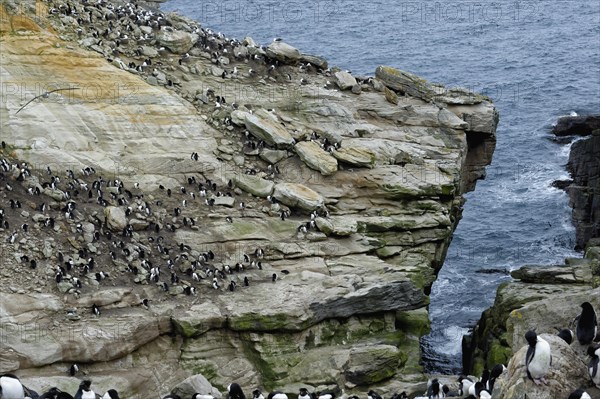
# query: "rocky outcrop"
115 218
405 82
568 372
254 185
176 41
584 190
344 80
265 127
341 305
283 52
582 125
356 155
298 196
316 158
547 298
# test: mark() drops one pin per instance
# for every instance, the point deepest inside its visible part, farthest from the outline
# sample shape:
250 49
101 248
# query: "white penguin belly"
540 364
595 378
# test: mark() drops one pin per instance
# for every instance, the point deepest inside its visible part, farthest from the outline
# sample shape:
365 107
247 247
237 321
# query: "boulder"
576 125
216 71
458 96
316 158
317 61
139 224
115 218
195 384
177 41
567 373
390 96
88 231
298 195
581 273
481 118
356 156
405 82
265 128
272 156
148 51
337 226
344 80
371 364
253 184
225 201
283 52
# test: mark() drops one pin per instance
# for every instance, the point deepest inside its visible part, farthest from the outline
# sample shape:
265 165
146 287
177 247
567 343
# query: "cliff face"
349 304
584 192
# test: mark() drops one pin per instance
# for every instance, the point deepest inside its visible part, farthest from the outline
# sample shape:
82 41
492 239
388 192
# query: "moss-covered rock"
372 364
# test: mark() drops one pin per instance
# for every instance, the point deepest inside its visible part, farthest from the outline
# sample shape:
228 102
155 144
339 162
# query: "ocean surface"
538 60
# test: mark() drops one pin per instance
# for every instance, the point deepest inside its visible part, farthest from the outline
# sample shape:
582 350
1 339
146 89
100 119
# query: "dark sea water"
538 60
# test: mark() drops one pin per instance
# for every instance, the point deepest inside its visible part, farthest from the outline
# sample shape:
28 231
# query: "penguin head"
531 337
497 370
303 391
587 308
594 350
111 394
445 389
256 393
567 335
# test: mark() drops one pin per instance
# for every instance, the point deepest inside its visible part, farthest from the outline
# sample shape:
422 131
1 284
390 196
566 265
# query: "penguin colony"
144 254
120 31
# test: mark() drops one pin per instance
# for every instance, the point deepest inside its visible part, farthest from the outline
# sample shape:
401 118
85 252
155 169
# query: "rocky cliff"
584 167
323 205
547 297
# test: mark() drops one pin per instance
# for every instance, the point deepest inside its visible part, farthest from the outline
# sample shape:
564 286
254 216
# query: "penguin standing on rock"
579 394
11 387
497 370
85 390
111 394
567 335
481 392
304 394
373 395
234 391
538 359
277 395
434 389
464 384
594 365
587 324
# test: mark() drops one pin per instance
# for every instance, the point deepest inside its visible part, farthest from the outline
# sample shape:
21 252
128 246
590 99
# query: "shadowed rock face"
584 192
584 167
348 305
